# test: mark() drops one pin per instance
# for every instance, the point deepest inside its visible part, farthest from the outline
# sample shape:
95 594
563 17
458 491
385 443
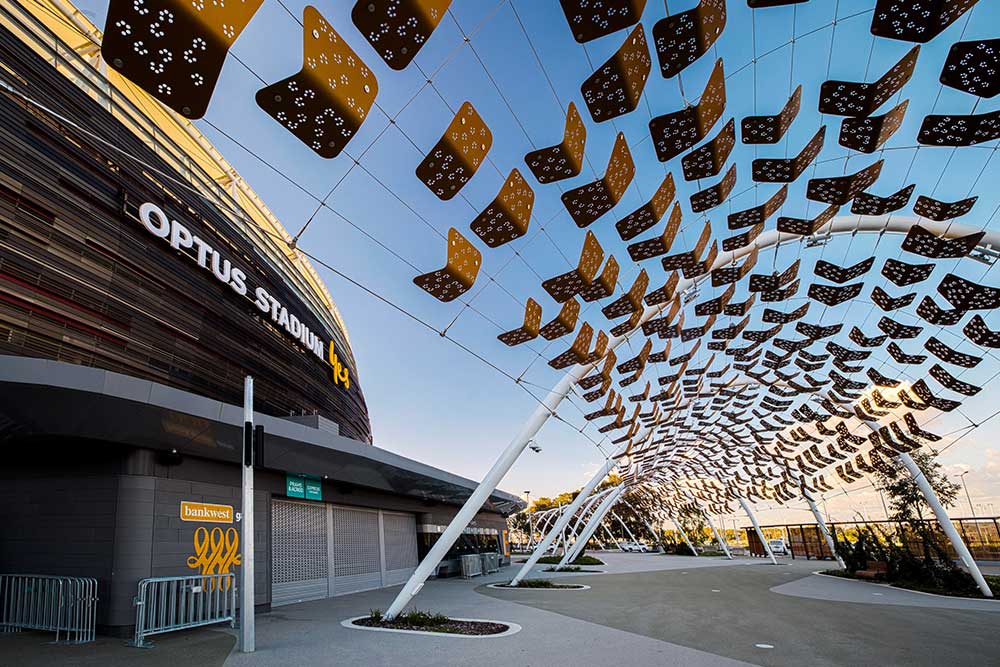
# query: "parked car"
778 547
635 547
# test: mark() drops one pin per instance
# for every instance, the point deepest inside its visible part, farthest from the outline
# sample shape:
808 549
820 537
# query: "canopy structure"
772 274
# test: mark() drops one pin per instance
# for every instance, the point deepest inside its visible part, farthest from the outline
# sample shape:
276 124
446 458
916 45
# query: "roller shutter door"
400 538
356 553
299 552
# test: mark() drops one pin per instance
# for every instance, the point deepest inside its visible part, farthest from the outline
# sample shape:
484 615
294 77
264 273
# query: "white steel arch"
547 408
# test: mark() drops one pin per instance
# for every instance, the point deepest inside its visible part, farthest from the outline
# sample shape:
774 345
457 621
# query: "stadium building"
140 282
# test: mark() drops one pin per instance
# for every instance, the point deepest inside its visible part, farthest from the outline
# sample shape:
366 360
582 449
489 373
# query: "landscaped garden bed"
965 589
541 583
581 560
570 568
423 621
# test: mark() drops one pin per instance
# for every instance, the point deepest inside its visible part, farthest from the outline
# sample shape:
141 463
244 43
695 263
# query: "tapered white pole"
756 527
571 510
625 526
677 525
945 521
247 629
718 537
588 530
822 527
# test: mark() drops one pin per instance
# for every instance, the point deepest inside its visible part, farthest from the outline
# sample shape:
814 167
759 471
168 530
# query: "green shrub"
582 560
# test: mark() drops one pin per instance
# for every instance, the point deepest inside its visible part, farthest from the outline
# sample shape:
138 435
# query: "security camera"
534 446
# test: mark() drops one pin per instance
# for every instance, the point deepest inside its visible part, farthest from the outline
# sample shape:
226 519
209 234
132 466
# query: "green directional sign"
295 487
314 489
298 486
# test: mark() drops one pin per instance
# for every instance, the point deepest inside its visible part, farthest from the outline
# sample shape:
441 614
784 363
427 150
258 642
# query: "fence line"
64 605
165 604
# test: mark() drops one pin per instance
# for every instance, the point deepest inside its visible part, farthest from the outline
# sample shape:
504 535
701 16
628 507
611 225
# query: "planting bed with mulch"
427 622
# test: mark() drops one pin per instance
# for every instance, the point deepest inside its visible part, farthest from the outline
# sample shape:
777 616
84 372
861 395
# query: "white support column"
822 527
625 526
677 525
756 527
588 530
611 535
945 521
482 493
718 536
560 525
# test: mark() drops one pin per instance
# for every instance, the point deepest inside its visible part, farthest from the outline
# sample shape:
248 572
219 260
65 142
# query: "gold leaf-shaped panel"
707 160
507 218
589 202
841 189
527 331
714 195
604 284
916 20
577 353
457 155
589 20
616 87
458 275
770 129
868 134
571 283
174 49
675 132
565 159
849 98
324 104
660 245
564 322
682 38
397 29
649 213
786 170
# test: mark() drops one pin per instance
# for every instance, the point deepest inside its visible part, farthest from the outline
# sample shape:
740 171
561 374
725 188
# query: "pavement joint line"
512 629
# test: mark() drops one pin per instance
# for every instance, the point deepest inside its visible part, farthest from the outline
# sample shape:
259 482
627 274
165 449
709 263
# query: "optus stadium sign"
220 267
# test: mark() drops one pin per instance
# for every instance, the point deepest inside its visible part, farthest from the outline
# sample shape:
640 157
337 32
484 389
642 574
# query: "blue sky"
430 400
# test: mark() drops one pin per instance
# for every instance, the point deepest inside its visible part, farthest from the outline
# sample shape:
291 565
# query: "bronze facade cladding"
82 281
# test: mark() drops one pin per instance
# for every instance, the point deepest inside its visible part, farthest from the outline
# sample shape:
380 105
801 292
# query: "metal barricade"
165 604
472 566
64 605
491 563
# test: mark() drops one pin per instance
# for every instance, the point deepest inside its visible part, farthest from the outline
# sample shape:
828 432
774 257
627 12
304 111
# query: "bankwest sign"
206 512
222 269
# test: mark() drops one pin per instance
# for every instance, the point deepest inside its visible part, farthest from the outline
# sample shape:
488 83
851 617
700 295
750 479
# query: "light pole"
527 508
979 531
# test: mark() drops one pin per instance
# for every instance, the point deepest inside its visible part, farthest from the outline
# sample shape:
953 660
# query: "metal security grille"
400 540
357 559
299 552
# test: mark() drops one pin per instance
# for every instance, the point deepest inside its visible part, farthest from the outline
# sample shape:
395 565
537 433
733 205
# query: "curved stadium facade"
141 280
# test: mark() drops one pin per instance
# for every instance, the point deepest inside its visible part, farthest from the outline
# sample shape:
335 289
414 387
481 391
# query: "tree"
906 501
693 523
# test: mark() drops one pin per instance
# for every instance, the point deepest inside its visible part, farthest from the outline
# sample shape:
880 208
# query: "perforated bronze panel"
458 274
923 242
649 213
397 29
507 218
589 20
564 322
565 159
770 129
738 241
940 210
958 130
577 353
732 274
174 49
841 274
758 214
849 98
707 160
527 331
616 87
691 257
324 104
457 155
660 245
869 204
916 20
805 226
888 303
833 296
674 133
980 334
714 195
973 67
786 170
842 189
604 284
589 202
630 301
903 274
967 295
571 283
868 134
682 38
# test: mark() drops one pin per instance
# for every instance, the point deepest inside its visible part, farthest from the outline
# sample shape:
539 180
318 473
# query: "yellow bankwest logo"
206 512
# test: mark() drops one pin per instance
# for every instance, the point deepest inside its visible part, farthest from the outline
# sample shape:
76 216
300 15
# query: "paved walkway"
648 609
